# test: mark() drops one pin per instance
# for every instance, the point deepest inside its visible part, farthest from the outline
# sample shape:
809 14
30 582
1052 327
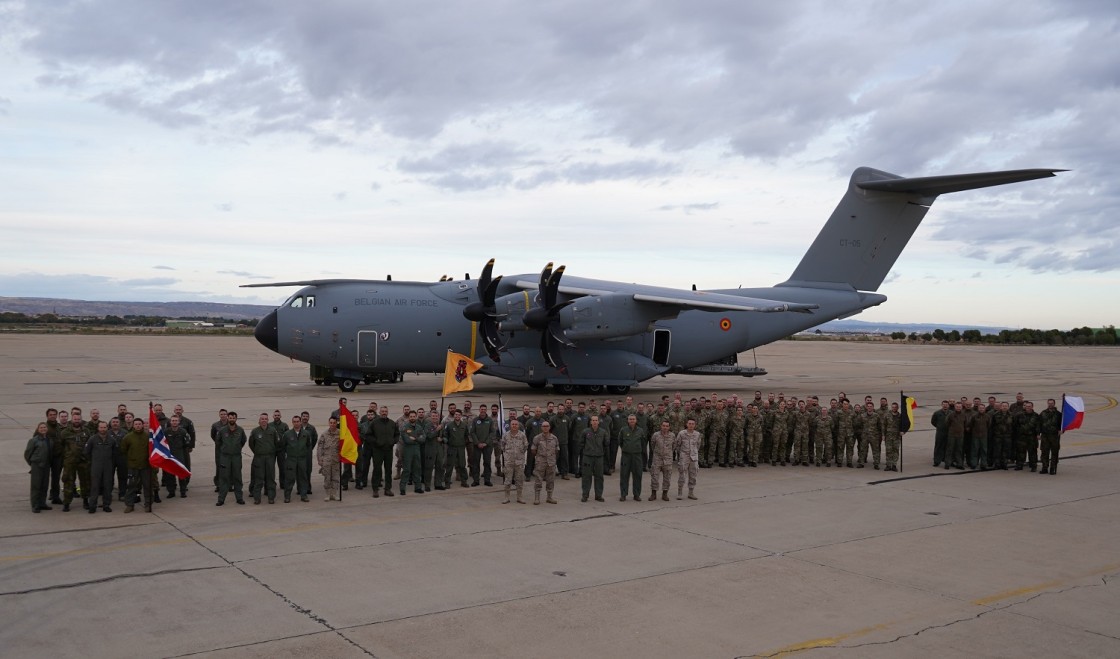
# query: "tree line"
1078 336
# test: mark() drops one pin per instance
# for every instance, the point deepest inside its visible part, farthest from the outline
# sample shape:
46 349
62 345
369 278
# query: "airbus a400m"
590 334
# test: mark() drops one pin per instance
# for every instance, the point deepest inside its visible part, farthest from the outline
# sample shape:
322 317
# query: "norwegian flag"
159 452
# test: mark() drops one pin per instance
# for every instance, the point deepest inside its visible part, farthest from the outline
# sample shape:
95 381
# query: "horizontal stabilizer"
930 186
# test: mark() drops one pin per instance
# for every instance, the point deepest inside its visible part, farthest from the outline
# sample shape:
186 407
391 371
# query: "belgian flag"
348 438
908 406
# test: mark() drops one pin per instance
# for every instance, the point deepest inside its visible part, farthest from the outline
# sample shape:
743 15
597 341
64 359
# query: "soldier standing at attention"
296 447
456 435
821 427
980 422
801 419
412 435
871 435
630 470
305 422
661 454
135 447
514 447
546 451
329 463
231 438
192 436
845 429
75 466
38 457
278 429
101 450
179 441
263 443
480 438
223 421
754 426
1050 428
1026 437
957 420
940 421
778 434
593 444
687 449
735 429
893 437
1002 435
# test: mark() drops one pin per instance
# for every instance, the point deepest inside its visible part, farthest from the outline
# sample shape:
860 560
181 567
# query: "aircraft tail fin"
876 218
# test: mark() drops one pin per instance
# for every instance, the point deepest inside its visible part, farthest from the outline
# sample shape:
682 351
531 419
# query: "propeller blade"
545 274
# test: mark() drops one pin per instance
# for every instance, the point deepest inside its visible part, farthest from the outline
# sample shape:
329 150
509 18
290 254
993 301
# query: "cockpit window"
297 301
310 300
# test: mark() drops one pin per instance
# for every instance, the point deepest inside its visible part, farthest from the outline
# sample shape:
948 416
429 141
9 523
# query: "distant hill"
35 306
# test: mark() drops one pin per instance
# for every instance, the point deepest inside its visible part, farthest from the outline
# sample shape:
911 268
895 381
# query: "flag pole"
902 395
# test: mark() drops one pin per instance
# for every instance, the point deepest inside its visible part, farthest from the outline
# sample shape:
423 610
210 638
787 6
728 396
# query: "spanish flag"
348 439
908 407
457 373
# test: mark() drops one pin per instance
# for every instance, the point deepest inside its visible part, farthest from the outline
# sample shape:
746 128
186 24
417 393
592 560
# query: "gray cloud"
690 208
225 206
162 267
921 89
90 287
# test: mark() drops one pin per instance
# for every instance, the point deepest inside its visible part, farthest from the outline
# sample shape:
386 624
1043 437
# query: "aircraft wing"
704 301
679 300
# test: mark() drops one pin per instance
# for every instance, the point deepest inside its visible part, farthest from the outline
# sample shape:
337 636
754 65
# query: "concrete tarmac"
772 561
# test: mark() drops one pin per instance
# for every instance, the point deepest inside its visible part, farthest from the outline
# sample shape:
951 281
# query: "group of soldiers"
997 434
427 448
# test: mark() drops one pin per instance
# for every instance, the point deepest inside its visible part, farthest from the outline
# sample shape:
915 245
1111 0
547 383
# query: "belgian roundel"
725 324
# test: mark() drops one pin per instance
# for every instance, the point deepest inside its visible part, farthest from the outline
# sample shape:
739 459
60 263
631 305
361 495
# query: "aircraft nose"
267 332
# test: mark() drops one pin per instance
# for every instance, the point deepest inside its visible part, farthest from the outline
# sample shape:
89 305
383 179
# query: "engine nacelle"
607 317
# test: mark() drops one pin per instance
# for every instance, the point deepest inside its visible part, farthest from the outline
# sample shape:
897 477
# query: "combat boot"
128 508
389 492
376 493
550 499
652 495
537 498
507 495
1053 468
690 494
519 499
664 495
680 492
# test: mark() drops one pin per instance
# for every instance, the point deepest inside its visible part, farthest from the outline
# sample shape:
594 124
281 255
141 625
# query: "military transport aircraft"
589 334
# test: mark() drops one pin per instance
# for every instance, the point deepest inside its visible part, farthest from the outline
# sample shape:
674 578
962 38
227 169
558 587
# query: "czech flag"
348 438
908 406
159 452
1073 411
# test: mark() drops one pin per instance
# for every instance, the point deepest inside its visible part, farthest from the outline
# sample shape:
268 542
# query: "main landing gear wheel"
618 389
592 388
537 385
347 385
565 389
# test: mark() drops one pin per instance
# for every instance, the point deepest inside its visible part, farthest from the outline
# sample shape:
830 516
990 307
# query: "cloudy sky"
174 150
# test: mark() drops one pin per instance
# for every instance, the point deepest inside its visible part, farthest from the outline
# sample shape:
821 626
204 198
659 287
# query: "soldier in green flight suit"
1003 434
180 443
296 447
231 437
630 471
412 435
594 444
263 444
37 454
1050 429
456 435
1026 427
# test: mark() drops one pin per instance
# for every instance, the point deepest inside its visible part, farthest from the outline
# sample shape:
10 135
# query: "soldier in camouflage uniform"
871 436
820 426
1003 434
1050 428
330 466
661 453
779 433
514 446
546 450
1026 427
801 419
716 427
75 465
893 437
687 449
653 421
753 429
767 447
845 434
736 427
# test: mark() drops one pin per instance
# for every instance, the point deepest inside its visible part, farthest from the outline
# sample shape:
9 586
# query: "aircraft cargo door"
661 340
367 348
